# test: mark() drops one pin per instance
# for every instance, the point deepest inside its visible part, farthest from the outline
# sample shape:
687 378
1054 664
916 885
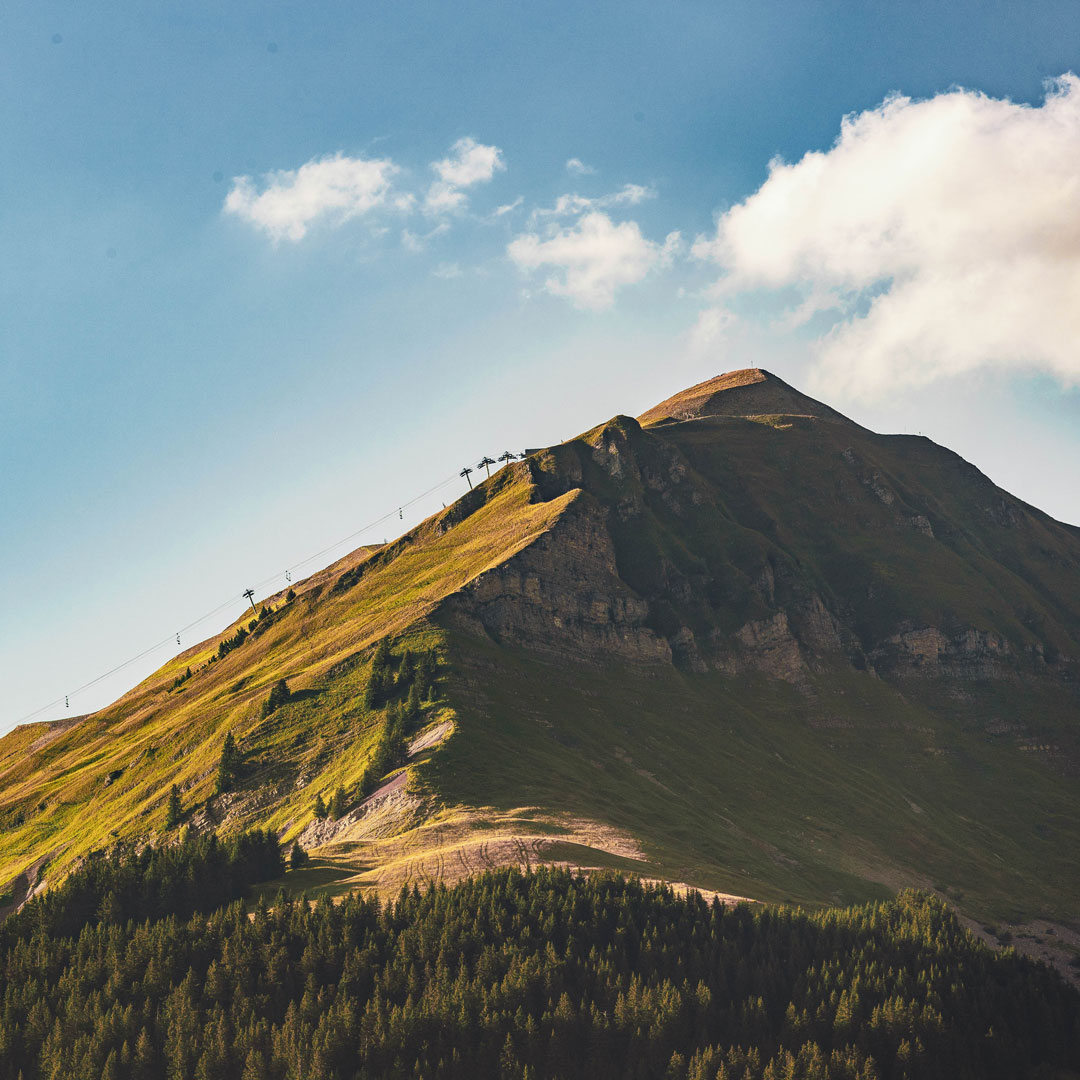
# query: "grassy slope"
834 789
54 794
835 792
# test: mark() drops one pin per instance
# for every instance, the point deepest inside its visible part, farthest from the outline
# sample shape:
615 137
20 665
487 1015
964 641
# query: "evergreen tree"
367 782
228 766
407 668
279 695
425 673
298 857
175 810
381 658
337 803
412 708
319 809
381 682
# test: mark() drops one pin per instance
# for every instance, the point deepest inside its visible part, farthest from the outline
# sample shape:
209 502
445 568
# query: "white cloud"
447 271
592 259
573 204
945 232
579 168
335 188
506 208
469 163
410 241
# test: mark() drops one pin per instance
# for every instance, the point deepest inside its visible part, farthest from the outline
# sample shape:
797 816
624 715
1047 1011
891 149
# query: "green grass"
840 782
320 642
748 785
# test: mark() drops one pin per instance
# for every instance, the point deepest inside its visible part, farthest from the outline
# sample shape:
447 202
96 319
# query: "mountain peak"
746 392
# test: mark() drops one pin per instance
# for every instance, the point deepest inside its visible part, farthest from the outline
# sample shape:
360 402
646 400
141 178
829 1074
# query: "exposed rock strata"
562 596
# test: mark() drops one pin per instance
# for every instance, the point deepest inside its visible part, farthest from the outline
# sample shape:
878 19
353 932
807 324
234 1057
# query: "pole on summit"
250 594
465 472
487 462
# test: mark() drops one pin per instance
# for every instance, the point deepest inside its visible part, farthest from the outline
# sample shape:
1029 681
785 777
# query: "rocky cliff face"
562 597
786 545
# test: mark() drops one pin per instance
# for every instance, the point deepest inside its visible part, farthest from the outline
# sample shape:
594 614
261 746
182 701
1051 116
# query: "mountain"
740 643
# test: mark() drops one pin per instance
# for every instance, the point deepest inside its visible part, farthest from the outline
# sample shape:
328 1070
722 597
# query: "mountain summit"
741 643
749 392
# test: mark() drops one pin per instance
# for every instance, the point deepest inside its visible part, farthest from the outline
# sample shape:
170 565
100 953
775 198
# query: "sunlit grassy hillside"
743 644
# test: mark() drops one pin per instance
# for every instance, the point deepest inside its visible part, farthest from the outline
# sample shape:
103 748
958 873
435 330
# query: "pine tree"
381 683
337 803
279 695
367 782
319 809
228 766
425 673
298 857
175 811
142 1067
412 707
381 659
255 1067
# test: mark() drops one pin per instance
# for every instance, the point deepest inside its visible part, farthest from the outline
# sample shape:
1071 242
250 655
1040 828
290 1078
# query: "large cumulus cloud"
945 233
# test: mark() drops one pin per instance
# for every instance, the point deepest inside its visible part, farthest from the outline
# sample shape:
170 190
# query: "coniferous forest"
152 965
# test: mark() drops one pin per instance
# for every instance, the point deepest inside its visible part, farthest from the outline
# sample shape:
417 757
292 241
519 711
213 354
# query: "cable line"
353 535
65 698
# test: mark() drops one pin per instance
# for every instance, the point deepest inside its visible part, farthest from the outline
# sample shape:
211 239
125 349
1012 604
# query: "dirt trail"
427 739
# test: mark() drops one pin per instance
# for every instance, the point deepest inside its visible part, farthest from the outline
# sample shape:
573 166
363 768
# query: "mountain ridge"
745 392
863 626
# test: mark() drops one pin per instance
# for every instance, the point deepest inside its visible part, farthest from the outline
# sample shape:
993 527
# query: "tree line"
539 975
199 874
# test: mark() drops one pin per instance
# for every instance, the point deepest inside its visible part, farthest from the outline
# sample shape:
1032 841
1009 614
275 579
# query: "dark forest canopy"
506 975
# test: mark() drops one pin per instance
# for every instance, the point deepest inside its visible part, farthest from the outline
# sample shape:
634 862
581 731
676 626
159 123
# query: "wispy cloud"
416 243
573 204
506 208
945 233
469 163
579 168
592 259
286 203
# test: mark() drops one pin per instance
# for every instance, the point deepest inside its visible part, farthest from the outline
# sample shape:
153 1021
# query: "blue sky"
205 379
